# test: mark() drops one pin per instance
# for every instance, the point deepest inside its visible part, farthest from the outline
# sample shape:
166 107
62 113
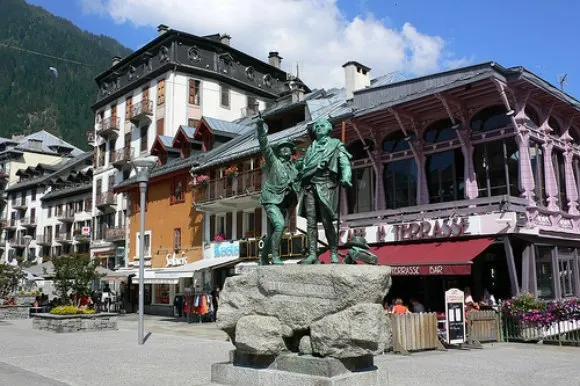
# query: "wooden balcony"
240 192
140 112
121 158
44 240
20 204
106 200
109 127
17 242
66 216
115 234
29 222
80 237
64 237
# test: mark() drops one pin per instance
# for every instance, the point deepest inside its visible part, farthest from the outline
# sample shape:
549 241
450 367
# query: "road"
178 353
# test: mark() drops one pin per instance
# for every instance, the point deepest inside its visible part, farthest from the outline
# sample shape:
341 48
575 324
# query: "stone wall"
14 312
75 323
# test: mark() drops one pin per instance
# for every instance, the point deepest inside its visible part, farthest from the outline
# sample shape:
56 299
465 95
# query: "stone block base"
292 369
228 374
14 312
75 323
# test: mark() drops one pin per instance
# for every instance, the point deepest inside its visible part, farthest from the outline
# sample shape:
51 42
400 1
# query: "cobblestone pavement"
178 353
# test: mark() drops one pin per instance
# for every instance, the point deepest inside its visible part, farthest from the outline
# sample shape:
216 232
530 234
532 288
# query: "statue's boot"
311 259
276 260
264 260
334 257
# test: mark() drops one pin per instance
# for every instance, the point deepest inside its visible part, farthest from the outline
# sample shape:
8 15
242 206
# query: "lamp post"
27 239
142 167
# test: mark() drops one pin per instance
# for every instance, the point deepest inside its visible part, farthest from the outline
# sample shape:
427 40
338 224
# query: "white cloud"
313 33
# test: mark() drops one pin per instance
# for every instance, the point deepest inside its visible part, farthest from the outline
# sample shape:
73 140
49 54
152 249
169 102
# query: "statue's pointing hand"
346 183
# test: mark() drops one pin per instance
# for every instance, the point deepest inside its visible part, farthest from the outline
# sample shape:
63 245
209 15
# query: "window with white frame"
249 224
147 244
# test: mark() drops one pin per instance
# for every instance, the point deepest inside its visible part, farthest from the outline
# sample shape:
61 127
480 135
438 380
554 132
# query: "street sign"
455 316
86 231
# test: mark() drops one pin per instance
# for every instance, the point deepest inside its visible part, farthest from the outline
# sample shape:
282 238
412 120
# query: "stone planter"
14 312
75 323
24 300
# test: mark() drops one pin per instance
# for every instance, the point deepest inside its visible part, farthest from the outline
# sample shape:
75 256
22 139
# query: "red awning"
434 258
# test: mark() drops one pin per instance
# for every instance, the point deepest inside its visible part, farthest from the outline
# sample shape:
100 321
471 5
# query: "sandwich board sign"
455 316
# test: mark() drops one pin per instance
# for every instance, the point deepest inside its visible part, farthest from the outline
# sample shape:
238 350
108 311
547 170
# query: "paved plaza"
178 353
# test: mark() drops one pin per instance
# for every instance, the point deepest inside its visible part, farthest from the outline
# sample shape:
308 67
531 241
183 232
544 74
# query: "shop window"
147 244
360 197
567 272
400 182
497 168
537 160
177 239
532 115
545 273
396 142
225 96
559 162
490 118
440 131
445 179
162 293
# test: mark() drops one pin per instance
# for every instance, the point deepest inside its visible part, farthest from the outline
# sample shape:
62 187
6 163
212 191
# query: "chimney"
225 39
274 59
161 29
115 60
297 91
357 76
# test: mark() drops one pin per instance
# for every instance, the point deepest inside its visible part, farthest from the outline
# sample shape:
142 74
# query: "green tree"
9 278
74 273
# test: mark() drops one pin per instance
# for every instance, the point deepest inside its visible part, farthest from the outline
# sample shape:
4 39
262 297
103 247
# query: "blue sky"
543 36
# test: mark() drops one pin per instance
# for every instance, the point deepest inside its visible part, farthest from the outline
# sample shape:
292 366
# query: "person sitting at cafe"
417 306
488 299
470 305
399 308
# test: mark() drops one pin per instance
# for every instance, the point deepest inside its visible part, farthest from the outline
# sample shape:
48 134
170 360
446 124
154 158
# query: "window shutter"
258 222
240 225
191 91
229 225
212 226
113 110
161 92
177 239
129 107
160 126
145 97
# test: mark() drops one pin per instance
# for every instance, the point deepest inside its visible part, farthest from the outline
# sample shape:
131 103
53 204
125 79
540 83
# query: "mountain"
32 96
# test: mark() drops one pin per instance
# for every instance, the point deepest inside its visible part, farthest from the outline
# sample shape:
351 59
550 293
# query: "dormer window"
35 144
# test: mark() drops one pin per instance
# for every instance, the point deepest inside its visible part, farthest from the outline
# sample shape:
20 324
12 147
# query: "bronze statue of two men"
313 183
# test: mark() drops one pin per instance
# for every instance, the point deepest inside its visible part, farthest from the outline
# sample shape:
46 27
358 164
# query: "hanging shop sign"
455 316
431 270
222 249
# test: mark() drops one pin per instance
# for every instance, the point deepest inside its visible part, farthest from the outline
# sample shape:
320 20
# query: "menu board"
455 316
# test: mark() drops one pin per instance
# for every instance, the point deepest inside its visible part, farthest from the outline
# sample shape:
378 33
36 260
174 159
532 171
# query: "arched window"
361 196
445 176
496 167
396 141
555 126
490 118
532 115
440 131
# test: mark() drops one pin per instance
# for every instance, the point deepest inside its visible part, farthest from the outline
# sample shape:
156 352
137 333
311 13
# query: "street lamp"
27 239
142 167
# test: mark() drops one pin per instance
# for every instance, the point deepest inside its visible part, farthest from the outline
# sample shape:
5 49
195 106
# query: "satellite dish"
53 71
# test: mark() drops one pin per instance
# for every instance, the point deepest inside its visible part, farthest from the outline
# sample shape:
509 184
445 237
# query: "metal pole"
143 177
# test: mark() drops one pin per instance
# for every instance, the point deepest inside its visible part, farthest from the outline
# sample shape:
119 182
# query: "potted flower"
203 180
220 237
232 171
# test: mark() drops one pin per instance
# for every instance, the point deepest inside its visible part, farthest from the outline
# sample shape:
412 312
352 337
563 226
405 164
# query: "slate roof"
222 126
73 190
166 140
62 167
48 144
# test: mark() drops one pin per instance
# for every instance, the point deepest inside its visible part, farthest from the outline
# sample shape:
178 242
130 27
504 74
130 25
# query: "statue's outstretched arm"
267 152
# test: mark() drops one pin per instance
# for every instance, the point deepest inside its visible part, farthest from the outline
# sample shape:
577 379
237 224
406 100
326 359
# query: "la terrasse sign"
418 230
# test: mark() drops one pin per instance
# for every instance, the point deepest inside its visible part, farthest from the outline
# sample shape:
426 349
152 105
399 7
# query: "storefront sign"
434 269
423 230
433 229
455 316
222 249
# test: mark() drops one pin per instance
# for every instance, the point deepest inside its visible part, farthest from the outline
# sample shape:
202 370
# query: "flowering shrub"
199 181
232 171
219 237
70 310
528 310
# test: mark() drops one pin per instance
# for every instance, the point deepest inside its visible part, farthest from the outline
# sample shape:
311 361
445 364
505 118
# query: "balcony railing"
290 246
225 187
122 157
105 199
43 239
67 215
116 233
63 237
140 111
109 126
12 223
19 203
28 221
80 237
17 242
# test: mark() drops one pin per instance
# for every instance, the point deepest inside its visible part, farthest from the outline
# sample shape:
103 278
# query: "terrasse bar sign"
441 228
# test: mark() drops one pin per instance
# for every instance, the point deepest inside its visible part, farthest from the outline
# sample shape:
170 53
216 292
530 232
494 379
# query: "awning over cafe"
172 275
434 258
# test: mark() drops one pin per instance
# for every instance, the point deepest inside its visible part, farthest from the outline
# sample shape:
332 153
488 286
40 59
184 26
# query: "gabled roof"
66 166
48 144
219 125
